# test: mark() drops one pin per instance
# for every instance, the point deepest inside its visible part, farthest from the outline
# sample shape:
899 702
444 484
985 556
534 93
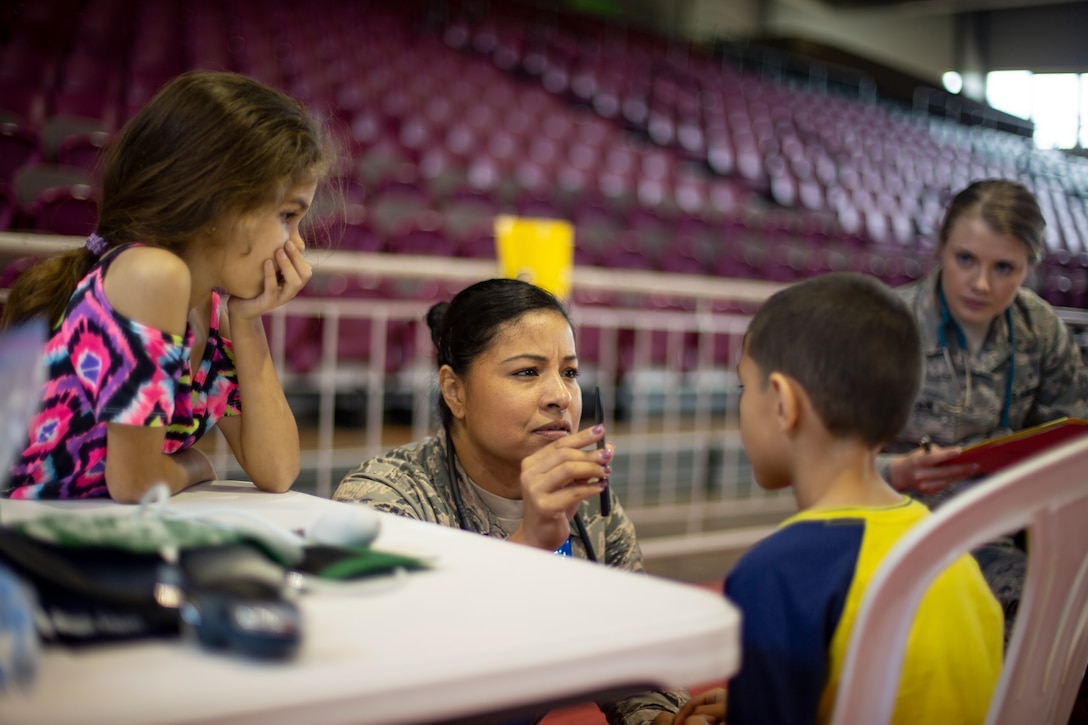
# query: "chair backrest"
82 149
19 146
32 179
8 206
69 210
1046 657
22 370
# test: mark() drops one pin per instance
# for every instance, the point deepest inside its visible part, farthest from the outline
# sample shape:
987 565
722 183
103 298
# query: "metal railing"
662 347
663 353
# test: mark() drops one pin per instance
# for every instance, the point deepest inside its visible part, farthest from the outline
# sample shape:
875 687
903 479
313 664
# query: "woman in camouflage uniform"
509 460
998 358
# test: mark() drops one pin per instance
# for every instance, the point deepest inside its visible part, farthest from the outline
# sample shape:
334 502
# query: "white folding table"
490 627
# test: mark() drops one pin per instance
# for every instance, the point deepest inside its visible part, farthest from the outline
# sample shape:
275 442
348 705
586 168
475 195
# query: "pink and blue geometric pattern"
105 368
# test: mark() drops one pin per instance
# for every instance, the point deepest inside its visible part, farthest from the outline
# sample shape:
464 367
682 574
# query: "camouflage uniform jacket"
1049 379
414 481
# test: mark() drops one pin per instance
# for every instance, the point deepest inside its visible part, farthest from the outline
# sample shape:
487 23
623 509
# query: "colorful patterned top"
105 368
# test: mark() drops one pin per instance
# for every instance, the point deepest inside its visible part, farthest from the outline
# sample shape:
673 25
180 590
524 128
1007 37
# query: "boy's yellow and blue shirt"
799 591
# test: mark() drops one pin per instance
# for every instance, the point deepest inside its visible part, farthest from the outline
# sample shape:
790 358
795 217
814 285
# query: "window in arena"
1056 102
1084 111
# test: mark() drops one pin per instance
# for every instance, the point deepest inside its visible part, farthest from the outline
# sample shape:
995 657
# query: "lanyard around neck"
942 342
462 519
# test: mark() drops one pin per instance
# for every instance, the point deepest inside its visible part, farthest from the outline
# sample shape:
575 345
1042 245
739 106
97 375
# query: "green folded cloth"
352 562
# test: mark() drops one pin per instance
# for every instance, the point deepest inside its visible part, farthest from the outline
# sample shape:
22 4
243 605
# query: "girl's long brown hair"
208 147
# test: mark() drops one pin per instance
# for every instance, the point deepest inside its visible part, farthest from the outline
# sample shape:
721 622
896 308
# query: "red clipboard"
997 453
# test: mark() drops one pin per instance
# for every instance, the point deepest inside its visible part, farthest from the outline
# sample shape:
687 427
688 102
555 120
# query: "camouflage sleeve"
378 492
401 482
1063 385
621 545
644 707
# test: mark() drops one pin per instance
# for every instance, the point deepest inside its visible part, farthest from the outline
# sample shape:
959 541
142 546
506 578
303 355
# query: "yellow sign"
540 251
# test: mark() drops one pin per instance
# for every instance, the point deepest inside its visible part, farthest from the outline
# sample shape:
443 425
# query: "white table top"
490 626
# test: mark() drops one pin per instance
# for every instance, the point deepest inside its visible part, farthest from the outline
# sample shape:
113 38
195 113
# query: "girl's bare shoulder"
151 286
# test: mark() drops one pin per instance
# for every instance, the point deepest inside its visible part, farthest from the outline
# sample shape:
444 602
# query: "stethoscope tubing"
459 503
961 339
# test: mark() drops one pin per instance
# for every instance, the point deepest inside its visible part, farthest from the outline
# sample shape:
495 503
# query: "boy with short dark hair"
829 373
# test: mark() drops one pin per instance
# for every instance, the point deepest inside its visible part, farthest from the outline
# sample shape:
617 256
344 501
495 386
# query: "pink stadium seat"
628 259
66 210
1057 285
32 180
467 214
99 101
8 207
534 180
384 159
537 207
22 100
431 242
355 337
20 146
685 257
76 131
397 205
784 187
740 260
480 245
359 237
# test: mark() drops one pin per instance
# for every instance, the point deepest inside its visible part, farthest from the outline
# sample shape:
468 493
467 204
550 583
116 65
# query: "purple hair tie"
97 245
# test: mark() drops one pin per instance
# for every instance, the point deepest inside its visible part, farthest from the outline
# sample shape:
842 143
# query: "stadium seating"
19 146
68 209
663 160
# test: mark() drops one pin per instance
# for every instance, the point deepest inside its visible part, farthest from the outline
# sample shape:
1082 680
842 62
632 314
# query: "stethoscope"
462 519
942 344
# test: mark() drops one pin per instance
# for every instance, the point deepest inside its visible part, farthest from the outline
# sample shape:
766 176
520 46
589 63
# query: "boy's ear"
787 401
453 391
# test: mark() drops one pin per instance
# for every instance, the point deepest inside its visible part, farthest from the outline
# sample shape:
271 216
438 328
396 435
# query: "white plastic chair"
22 370
1048 651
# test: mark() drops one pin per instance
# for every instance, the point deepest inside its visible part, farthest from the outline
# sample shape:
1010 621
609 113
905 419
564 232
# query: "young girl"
156 323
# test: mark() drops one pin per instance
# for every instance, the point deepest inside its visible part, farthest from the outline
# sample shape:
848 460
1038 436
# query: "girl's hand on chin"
280 285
